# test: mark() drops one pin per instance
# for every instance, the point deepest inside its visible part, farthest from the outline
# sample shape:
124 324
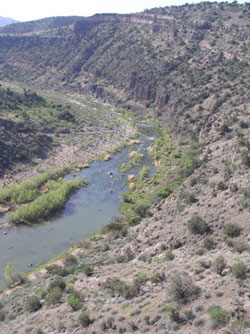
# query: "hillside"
4 21
176 260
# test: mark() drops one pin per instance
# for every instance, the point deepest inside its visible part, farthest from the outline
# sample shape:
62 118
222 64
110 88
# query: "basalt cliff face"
183 62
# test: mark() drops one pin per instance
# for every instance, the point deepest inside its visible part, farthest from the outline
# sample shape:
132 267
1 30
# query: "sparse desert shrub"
247 192
41 292
182 288
174 314
140 280
142 209
164 192
190 198
84 319
219 265
58 282
87 269
239 270
243 125
158 277
221 186
169 255
189 315
11 276
2 316
245 158
209 243
240 247
32 304
196 225
70 260
219 316
234 188
232 230
54 295
116 286
58 270
74 302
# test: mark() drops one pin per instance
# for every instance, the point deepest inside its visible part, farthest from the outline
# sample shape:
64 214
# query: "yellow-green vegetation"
135 160
30 189
46 204
173 162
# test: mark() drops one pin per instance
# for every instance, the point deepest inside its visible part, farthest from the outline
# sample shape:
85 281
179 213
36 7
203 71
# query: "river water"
84 213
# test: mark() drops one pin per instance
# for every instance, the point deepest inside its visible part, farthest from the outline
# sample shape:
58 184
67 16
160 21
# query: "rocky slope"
181 264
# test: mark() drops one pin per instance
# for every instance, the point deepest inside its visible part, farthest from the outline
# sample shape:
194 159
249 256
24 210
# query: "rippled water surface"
85 213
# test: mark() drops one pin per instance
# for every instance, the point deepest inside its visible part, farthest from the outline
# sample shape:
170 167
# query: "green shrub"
41 292
74 302
219 265
54 295
158 277
208 243
45 204
221 186
196 225
142 209
2 316
32 304
117 287
11 277
70 260
86 269
232 230
164 192
58 270
247 192
58 282
84 319
219 317
239 270
240 247
140 280
182 288
169 255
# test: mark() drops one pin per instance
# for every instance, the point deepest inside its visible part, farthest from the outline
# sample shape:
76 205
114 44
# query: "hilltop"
4 21
177 258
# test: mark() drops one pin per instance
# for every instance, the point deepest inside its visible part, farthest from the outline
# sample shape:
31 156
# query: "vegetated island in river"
35 199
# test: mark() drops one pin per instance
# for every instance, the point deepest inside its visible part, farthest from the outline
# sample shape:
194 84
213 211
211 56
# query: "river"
84 214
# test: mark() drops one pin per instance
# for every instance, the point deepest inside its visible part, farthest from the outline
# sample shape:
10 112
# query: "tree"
11 276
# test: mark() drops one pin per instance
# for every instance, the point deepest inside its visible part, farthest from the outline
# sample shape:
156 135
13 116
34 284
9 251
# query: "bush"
142 209
58 270
32 304
219 265
84 319
239 270
70 260
86 269
54 296
240 247
2 316
11 277
232 230
196 225
58 282
158 277
182 288
169 255
74 302
140 280
117 287
219 316
208 243
164 192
